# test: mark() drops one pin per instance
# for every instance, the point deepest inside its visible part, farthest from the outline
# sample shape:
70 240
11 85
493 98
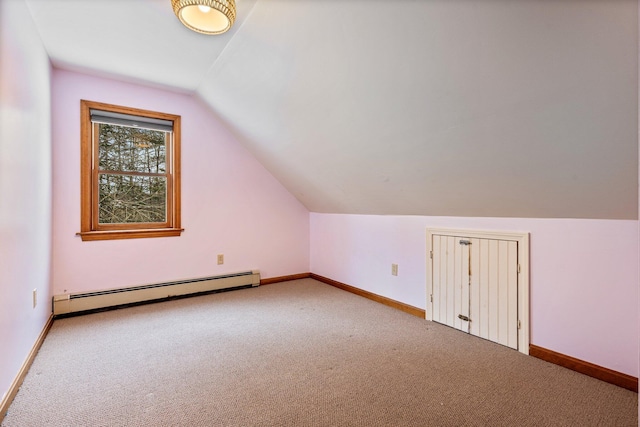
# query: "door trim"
522 238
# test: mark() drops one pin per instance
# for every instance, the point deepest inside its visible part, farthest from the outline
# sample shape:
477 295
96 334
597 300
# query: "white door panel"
476 281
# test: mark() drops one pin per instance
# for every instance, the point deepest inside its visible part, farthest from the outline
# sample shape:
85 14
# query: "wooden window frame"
90 228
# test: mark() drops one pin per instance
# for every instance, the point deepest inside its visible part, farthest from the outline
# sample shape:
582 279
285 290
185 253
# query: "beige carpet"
298 353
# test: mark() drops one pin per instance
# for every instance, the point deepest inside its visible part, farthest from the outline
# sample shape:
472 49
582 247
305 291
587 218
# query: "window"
130 173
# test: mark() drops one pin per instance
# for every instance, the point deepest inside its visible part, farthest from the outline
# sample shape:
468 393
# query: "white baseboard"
74 303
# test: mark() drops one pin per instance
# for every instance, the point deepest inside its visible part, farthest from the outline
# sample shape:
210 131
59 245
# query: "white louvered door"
475 286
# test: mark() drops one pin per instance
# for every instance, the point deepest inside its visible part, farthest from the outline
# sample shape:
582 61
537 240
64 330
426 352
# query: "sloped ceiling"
460 108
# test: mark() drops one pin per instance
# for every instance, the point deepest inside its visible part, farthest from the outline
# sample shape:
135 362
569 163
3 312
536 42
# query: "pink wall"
583 280
25 188
230 203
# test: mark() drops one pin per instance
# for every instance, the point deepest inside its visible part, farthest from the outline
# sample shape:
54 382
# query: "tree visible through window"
130 173
125 197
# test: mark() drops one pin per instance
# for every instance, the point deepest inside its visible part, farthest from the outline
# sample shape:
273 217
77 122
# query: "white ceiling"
463 108
135 40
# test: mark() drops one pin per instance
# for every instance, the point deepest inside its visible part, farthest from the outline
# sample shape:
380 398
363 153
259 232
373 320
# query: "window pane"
123 148
131 199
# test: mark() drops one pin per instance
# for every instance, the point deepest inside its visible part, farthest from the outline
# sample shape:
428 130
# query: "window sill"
129 234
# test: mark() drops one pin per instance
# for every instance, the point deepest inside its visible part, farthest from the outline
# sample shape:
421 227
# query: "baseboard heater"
65 304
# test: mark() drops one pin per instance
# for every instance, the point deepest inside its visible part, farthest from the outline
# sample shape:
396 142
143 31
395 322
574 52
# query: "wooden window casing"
90 227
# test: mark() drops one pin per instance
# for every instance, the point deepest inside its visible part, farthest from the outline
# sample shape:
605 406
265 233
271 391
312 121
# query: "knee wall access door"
476 284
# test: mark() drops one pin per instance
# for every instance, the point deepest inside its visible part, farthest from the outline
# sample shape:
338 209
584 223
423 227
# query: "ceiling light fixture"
206 16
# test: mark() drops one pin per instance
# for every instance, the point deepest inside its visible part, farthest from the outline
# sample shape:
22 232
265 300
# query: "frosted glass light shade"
206 16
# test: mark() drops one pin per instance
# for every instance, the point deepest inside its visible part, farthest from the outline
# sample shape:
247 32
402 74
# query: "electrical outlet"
35 298
394 269
220 259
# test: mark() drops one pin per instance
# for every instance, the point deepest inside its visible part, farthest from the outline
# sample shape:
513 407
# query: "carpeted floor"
299 353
